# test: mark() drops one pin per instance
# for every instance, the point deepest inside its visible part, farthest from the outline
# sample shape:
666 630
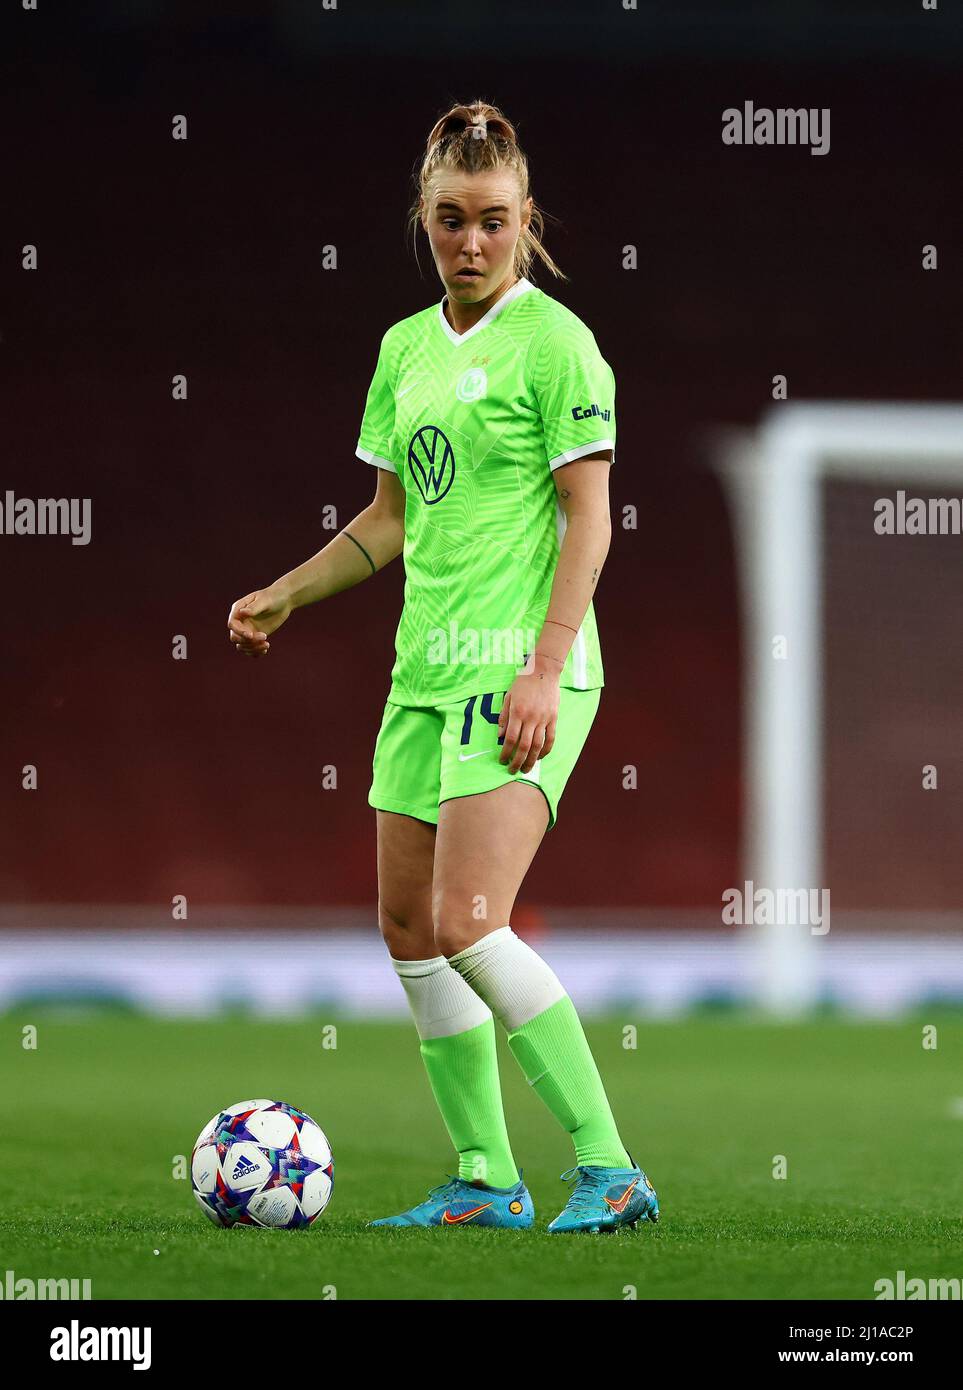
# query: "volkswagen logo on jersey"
472 385
431 460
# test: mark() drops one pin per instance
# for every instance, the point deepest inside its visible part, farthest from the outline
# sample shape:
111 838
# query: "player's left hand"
528 717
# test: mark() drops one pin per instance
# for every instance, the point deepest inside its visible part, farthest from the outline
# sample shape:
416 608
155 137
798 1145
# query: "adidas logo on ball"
262 1163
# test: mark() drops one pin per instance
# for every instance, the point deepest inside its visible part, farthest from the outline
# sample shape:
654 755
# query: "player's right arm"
365 545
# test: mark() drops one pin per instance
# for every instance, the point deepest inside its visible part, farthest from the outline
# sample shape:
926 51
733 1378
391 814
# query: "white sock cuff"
514 981
483 946
441 1003
415 968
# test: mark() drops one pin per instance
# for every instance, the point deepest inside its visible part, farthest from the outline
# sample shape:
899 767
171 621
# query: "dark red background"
157 257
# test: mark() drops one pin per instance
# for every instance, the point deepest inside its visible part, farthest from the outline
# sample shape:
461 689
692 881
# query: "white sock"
513 980
441 1002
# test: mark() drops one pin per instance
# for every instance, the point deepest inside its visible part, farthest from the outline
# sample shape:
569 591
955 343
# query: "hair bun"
462 121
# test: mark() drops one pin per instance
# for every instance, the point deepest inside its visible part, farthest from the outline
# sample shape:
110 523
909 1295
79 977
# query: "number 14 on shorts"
487 713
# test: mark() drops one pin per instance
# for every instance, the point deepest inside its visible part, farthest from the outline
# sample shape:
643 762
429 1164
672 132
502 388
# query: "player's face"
473 223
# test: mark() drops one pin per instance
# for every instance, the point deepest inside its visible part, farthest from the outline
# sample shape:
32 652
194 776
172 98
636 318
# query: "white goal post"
773 477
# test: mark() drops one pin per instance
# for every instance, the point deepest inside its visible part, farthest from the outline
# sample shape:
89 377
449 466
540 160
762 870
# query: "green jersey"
474 424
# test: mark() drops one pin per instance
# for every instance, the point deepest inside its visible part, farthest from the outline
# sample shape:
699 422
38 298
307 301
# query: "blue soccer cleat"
460 1203
604 1199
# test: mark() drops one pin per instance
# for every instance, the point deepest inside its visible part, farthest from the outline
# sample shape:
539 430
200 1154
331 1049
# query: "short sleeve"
575 390
375 441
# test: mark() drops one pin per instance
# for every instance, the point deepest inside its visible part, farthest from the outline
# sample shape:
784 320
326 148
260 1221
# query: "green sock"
463 1071
554 1054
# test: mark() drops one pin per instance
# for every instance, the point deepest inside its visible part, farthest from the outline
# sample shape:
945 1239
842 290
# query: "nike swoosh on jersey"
410 387
467 757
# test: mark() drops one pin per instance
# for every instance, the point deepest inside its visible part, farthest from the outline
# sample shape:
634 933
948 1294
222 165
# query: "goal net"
850 551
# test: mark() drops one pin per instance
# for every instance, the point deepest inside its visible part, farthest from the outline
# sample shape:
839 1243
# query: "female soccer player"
491 422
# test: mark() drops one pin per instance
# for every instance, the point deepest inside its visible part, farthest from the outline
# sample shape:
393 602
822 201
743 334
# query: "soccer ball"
262 1163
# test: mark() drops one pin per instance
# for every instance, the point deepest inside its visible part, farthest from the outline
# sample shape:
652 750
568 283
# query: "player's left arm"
530 709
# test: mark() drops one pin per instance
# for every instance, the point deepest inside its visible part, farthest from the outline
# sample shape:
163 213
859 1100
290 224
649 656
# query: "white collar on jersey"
519 287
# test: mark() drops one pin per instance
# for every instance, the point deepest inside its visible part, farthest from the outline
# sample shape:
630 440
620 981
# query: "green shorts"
426 755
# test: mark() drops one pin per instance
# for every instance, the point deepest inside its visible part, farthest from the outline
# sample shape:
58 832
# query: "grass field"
869 1122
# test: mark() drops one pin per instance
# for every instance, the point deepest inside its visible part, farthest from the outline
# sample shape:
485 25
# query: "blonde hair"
472 139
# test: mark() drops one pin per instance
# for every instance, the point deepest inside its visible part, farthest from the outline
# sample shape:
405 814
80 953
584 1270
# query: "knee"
454 926
407 935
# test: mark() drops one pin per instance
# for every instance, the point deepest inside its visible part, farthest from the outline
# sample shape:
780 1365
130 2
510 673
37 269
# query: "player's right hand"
255 617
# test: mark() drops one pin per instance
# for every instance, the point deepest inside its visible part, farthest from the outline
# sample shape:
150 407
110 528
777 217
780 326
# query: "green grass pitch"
870 1124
